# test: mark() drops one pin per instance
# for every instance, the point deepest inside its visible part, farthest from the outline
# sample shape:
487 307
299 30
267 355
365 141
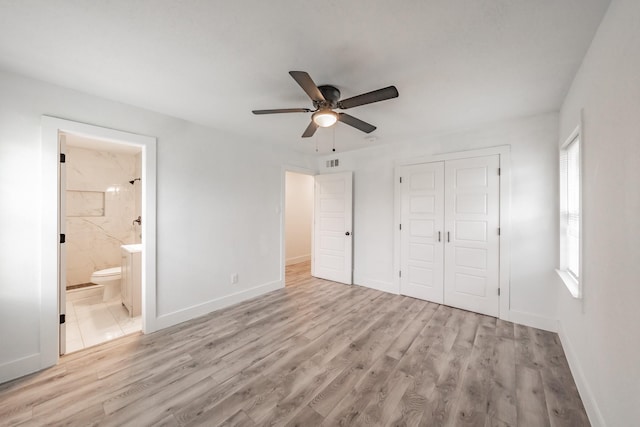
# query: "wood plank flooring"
315 353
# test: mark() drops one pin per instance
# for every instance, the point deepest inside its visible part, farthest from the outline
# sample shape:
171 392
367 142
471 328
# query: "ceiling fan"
326 98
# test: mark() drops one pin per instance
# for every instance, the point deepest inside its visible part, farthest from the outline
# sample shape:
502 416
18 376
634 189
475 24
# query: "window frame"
572 282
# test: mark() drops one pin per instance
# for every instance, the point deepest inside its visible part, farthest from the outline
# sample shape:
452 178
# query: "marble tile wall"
138 197
95 233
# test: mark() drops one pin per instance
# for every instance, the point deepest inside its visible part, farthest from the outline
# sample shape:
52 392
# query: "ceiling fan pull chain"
334 139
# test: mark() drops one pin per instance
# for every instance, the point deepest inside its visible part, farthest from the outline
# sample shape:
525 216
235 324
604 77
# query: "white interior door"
421 233
472 212
332 240
62 250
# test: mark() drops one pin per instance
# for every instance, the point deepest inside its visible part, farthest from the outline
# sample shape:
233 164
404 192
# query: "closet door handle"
439 236
448 239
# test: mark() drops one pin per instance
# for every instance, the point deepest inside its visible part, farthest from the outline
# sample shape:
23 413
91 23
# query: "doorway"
53 304
101 218
298 226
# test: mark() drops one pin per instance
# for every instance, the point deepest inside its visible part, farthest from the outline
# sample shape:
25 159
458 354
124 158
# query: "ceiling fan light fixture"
325 118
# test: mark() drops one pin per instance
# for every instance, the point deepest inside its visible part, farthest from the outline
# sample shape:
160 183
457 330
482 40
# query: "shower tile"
98 184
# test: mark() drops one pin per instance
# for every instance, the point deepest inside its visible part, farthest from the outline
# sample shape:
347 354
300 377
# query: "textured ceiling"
456 63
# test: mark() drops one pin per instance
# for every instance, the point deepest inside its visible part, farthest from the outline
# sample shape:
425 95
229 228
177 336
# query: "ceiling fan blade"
307 84
369 97
283 110
310 130
356 123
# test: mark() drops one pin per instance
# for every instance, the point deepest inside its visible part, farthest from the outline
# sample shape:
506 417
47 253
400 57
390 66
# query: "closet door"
422 221
472 212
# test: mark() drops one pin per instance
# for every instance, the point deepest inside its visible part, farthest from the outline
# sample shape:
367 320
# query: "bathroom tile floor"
91 321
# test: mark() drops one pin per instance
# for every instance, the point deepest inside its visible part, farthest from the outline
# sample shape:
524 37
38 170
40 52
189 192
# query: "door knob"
347 233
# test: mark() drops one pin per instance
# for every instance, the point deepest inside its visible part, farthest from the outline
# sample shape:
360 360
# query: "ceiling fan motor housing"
331 95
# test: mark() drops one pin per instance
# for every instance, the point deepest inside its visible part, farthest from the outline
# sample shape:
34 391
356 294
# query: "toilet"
110 278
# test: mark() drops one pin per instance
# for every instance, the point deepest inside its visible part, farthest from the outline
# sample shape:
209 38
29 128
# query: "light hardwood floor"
314 353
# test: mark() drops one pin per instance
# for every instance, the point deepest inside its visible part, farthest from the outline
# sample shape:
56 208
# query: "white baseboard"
170 319
589 402
297 259
20 367
533 320
378 285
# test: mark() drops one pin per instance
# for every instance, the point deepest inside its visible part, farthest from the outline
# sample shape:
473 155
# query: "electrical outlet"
234 278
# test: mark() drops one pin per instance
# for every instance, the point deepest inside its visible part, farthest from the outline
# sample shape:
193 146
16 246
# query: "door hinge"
400 180
63 158
63 318
399 273
498 291
498 231
499 171
63 238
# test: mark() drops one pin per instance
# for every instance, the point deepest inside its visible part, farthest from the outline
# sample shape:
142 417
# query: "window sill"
571 283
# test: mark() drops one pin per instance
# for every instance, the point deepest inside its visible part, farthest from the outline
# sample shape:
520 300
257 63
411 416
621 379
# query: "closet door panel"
471 248
422 221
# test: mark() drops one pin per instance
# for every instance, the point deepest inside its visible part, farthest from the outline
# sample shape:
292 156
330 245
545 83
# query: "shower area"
103 195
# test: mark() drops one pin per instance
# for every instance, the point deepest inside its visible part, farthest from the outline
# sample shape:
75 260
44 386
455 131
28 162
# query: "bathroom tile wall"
101 206
138 198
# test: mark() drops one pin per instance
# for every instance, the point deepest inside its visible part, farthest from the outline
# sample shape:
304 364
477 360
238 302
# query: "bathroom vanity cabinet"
131 281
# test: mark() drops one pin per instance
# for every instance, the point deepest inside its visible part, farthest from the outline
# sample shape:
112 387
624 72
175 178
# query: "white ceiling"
456 63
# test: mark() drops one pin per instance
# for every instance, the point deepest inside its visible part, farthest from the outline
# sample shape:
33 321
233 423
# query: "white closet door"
472 211
422 231
332 240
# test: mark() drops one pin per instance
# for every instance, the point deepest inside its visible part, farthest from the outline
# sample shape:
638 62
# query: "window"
570 203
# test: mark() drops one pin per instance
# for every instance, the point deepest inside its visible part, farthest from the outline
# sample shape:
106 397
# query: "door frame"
283 200
504 153
50 262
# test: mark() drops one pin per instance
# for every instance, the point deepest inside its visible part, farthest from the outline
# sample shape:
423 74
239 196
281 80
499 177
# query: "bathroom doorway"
53 293
298 226
101 197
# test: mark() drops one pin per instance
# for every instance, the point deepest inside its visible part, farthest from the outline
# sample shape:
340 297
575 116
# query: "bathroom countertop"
132 248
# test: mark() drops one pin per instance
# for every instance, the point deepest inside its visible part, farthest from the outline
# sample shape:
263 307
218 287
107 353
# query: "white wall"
601 332
298 217
534 185
218 210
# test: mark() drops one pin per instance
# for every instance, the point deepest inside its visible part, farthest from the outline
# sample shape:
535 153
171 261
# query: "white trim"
283 195
297 259
570 282
504 151
533 320
207 307
481 152
51 126
589 401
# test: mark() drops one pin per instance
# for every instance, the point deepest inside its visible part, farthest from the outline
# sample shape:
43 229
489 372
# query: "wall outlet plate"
234 278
